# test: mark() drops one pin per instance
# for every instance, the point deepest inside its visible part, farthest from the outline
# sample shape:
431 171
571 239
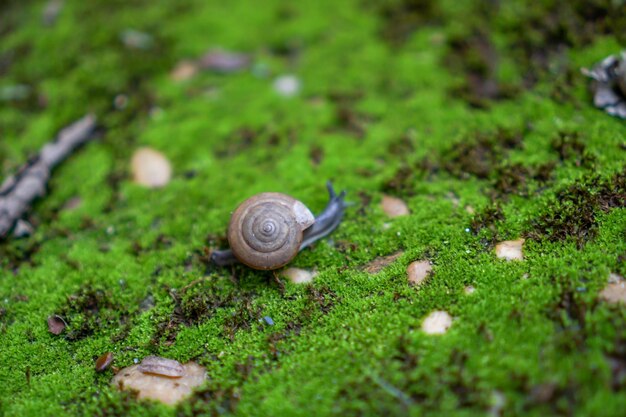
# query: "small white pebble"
298 275
150 168
510 249
184 70
418 271
615 290
469 290
287 85
394 207
437 322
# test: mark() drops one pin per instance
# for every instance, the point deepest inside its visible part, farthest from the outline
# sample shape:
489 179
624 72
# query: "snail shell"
265 232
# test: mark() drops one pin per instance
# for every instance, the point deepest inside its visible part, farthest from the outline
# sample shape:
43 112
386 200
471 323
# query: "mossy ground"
441 104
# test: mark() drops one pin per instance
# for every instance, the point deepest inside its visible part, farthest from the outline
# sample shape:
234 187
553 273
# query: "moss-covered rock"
475 116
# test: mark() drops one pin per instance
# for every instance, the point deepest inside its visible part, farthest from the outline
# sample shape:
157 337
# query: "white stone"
418 271
287 85
615 290
510 250
394 207
298 275
437 322
150 168
184 70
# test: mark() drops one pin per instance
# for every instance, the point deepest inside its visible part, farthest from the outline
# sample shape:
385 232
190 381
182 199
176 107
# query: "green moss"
576 210
396 98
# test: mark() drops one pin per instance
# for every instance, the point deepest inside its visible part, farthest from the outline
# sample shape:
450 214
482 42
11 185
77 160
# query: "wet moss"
486 223
412 387
403 181
474 56
544 31
575 210
89 310
347 118
200 301
570 146
20 254
212 400
242 318
516 179
480 153
383 109
401 18
321 298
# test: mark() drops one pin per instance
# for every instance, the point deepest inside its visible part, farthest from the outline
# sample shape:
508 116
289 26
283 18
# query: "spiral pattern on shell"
265 232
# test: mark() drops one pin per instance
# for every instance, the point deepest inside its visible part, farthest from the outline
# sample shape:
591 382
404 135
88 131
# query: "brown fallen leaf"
104 361
56 324
157 365
380 263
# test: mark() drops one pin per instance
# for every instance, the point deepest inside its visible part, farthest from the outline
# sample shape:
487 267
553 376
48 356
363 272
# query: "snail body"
269 229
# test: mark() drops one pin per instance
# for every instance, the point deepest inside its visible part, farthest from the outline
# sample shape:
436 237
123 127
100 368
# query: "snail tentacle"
324 224
328 220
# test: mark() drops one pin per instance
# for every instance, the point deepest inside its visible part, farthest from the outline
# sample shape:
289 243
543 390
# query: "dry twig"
20 190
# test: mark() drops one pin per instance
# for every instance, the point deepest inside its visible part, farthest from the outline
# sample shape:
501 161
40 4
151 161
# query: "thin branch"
18 191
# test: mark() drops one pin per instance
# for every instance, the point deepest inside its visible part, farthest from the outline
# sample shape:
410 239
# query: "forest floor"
475 114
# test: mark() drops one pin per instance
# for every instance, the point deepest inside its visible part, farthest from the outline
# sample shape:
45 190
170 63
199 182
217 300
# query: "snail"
269 229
